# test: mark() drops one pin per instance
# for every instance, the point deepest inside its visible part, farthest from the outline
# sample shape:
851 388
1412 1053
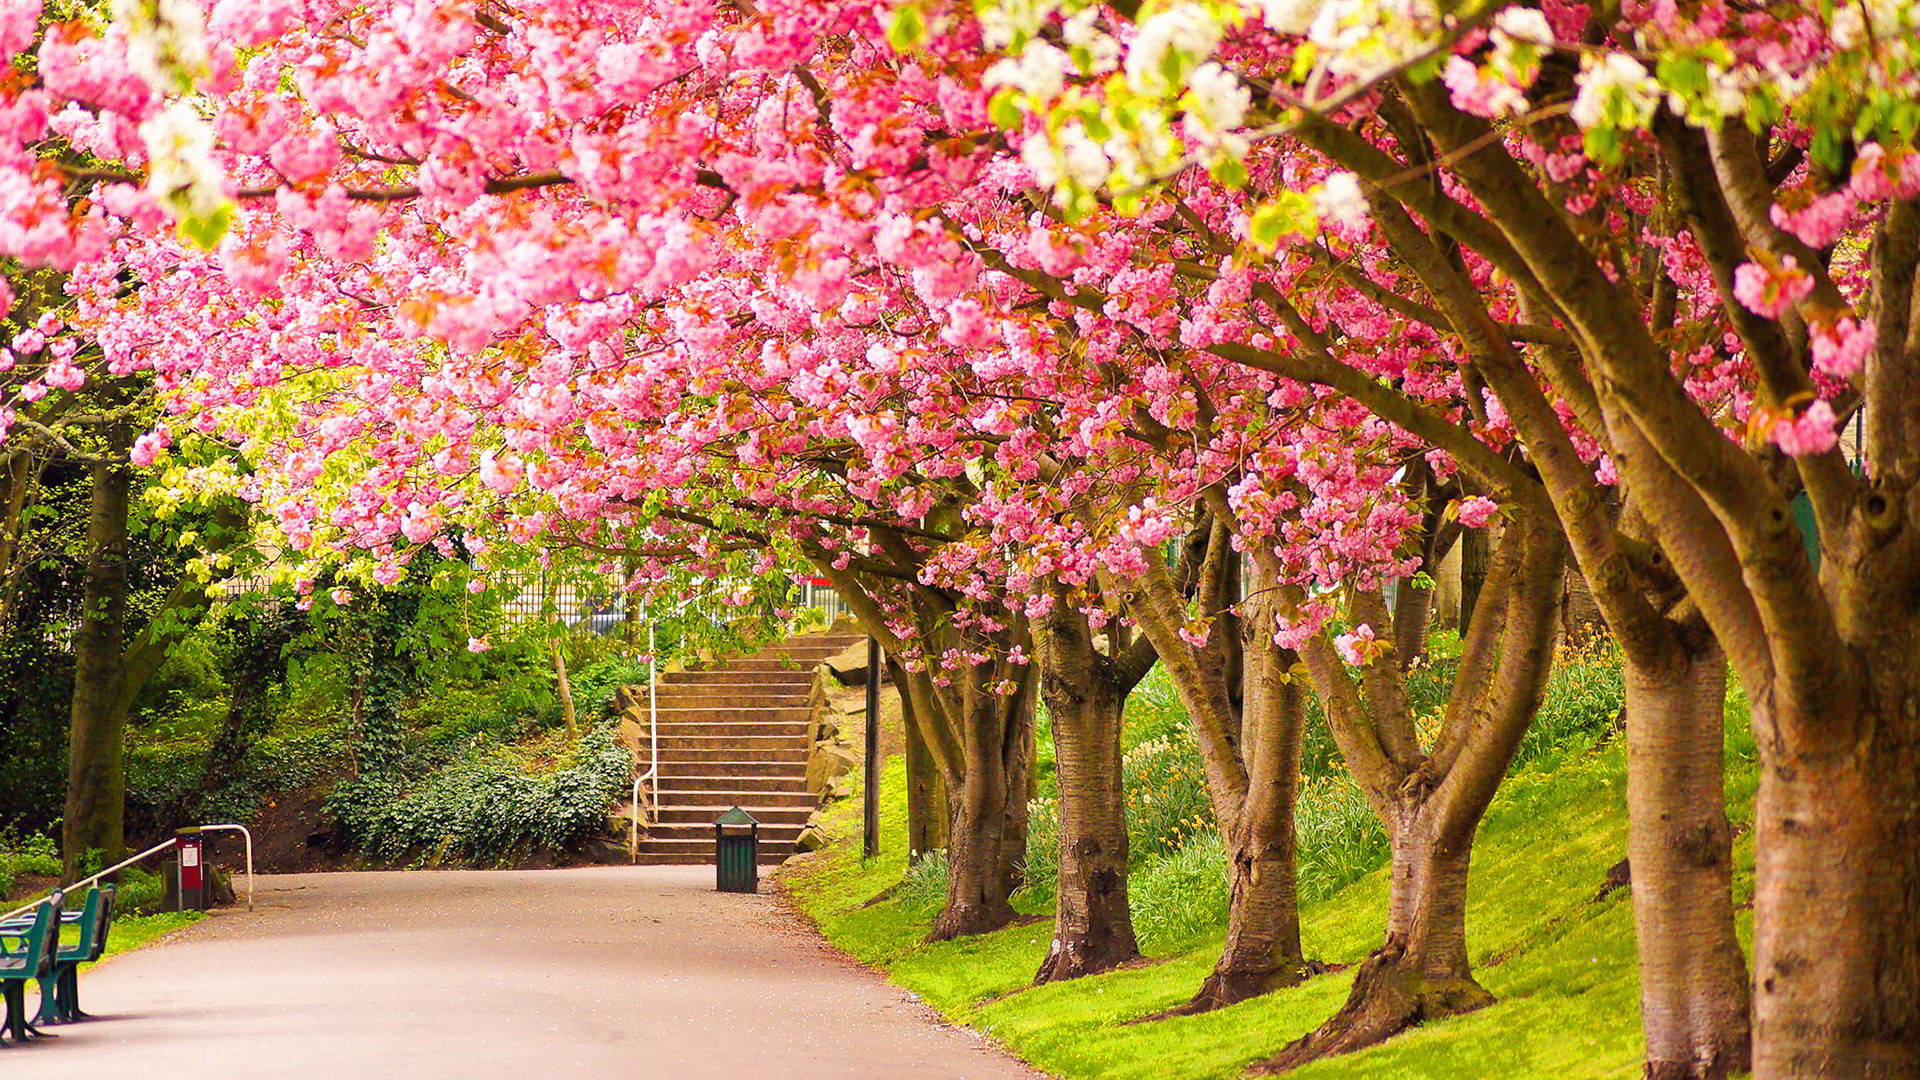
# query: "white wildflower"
1086 163
181 170
166 41
1043 164
1081 32
1523 24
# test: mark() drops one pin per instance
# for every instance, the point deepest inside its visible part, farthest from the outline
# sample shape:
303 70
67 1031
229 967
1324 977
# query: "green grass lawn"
1560 962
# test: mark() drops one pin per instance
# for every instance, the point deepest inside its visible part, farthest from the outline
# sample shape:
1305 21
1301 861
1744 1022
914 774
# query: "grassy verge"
135 931
1559 959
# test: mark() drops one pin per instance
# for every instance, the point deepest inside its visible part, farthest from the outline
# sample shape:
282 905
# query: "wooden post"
870 787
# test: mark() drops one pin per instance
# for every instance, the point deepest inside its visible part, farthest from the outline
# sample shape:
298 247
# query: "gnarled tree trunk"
1837 953
1693 977
1263 949
1421 972
1431 800
1086 695
1249 721
987 831
96 776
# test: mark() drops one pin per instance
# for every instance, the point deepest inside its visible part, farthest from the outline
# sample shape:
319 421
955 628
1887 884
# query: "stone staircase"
736 734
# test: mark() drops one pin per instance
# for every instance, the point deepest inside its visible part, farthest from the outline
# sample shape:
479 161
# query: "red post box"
193 870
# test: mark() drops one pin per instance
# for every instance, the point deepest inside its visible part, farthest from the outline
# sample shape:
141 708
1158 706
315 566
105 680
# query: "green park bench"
27 949
60 987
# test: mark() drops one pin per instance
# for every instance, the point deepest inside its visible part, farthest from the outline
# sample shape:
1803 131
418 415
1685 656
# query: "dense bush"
1180 894
32 855
485 808
1584 697
924 888
594 686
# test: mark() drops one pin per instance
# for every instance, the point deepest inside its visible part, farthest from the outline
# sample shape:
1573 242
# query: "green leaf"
1004 110
205 231
1603 145
908 30
1230 171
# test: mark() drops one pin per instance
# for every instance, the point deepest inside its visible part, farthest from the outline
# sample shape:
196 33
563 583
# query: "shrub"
594 686
483 809
31 855
140 892
1167 802
1180 894
923 889
1584 697
1040 872
1340 838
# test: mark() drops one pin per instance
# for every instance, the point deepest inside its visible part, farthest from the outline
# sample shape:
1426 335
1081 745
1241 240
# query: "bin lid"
737 816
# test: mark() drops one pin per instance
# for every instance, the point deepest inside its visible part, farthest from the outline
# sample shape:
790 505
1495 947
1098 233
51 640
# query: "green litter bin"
736 855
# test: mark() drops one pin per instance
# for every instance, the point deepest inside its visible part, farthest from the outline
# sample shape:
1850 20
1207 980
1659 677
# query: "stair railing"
652 773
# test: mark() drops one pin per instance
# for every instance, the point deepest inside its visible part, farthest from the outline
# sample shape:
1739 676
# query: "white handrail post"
653 714
248 834
653 741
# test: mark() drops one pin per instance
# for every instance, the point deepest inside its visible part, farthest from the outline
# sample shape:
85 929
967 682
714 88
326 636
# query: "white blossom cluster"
181 171
1615 91
166 41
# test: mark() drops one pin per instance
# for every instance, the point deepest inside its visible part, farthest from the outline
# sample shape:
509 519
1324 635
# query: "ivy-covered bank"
1551 937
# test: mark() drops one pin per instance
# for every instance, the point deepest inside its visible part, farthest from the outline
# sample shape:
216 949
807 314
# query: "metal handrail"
243 831
114 869
653 765
171 842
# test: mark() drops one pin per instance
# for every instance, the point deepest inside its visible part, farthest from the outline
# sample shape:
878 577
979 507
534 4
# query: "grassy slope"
1561 964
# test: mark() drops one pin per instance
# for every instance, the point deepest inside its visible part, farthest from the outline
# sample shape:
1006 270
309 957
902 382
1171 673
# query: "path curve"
596 972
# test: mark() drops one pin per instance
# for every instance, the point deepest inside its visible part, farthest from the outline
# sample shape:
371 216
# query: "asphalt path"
616 972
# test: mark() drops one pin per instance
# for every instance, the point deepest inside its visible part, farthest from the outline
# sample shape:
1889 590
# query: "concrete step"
784 785
690 850
670 771
722 695
701 858
738 795
723 754
792 729
800 662
768 816
679 714
779 680
690 739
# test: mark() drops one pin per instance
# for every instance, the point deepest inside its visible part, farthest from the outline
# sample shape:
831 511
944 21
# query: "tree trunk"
1093 927
1431 801
1837 898
1412 617
1263 950
1421 973
927 811
987 835
1693 977
1476 553
96 778
926 797
256 662
568 714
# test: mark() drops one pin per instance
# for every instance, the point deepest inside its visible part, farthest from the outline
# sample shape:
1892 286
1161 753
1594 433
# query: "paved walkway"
611 972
